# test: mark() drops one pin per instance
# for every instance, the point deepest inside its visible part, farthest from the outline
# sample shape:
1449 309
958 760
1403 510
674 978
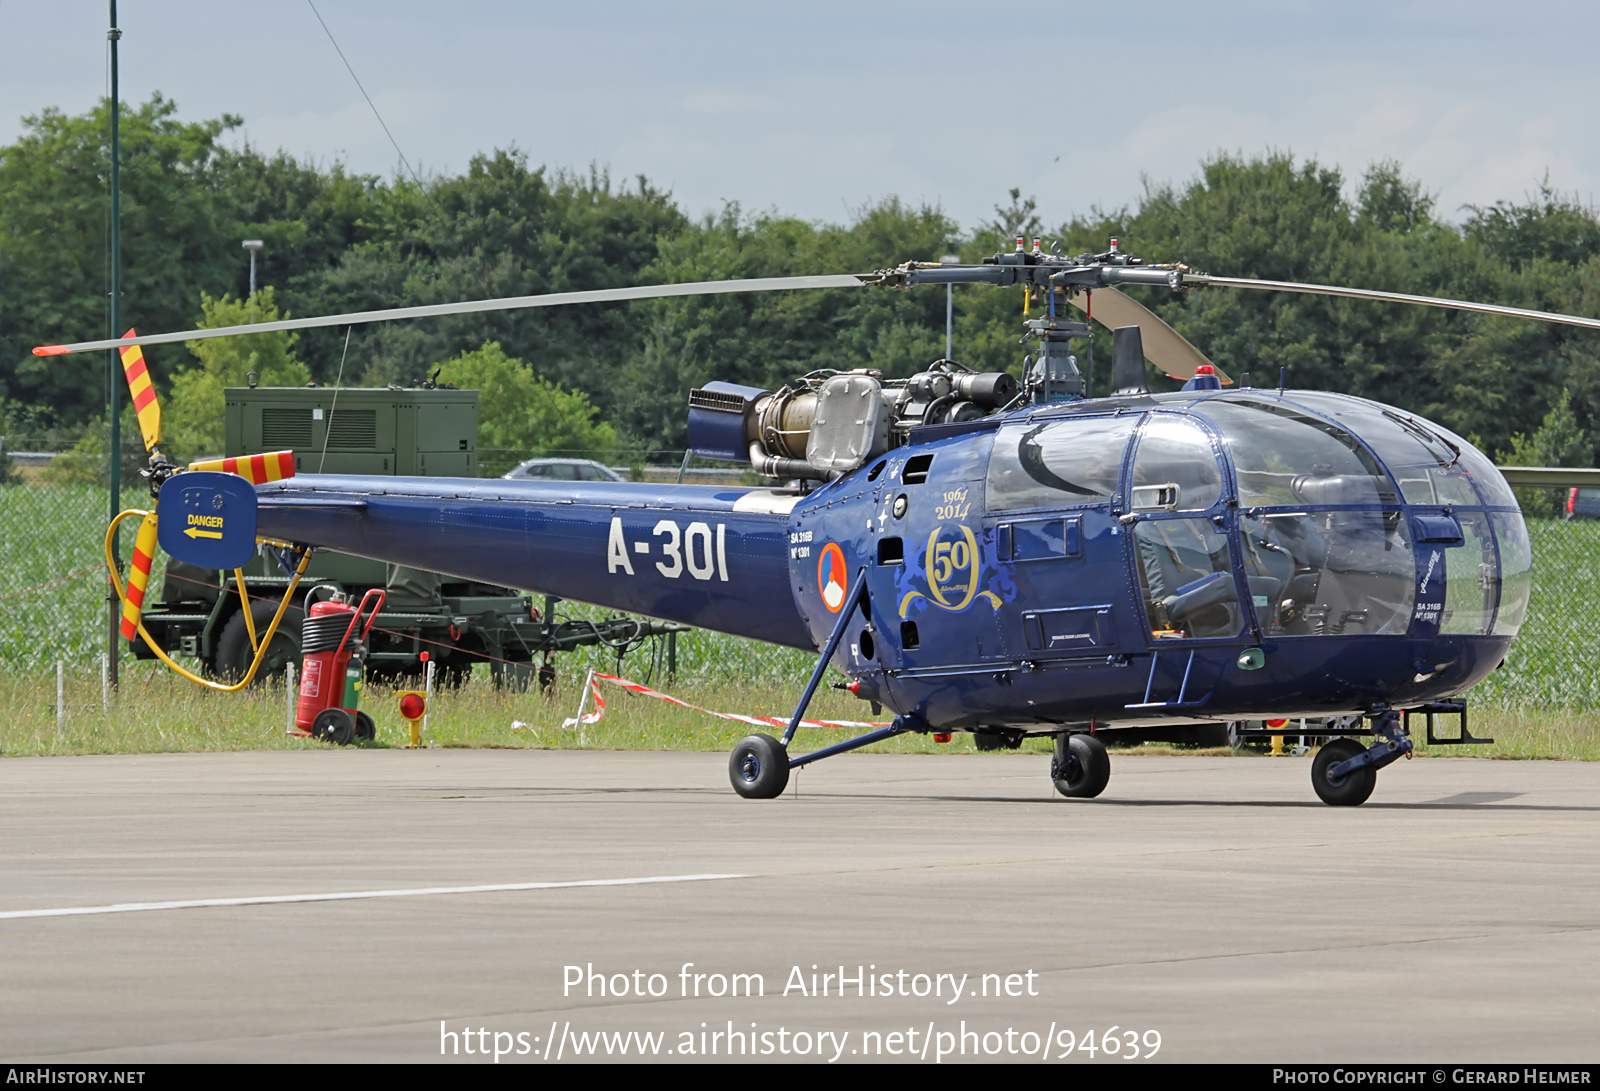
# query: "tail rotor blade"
256 469
1163 345
144 551
142 391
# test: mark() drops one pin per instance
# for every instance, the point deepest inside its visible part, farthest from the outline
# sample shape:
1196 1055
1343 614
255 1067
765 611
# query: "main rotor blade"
1164 346
1201 280
475 306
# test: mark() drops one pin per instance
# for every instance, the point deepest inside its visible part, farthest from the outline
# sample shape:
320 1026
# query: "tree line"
613 377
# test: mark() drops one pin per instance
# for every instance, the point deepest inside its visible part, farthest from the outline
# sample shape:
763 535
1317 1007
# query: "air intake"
353 429
286 428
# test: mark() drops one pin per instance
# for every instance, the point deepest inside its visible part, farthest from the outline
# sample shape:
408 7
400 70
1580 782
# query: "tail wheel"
1236 737
1081 767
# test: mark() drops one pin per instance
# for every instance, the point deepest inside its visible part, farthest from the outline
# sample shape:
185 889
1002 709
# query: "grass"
1544 702
156 712
1523 733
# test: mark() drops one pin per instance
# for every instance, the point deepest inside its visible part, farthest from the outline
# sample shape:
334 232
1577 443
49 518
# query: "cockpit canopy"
1329 501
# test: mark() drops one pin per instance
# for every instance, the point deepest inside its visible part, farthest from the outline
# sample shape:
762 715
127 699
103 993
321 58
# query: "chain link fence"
53 592
53 584
1552 663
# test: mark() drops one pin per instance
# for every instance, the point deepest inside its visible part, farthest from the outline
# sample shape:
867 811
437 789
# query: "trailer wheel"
234 653
334 725
512 675
451 675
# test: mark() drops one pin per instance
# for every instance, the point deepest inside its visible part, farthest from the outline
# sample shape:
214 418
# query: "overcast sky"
816 108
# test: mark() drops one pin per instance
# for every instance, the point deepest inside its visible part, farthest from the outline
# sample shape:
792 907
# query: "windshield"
1432 464
1284 456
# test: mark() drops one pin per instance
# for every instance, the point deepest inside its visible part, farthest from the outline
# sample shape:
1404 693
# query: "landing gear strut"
759 766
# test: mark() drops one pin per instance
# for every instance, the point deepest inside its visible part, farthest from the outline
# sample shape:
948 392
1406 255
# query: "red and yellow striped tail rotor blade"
143 392
144 551
256 469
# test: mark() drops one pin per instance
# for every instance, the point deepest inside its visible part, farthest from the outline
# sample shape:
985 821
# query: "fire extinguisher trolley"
332 666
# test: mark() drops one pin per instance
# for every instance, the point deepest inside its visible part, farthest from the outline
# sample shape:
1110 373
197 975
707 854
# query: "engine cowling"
828 423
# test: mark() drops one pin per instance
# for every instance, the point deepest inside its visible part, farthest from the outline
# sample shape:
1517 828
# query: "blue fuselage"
1122 562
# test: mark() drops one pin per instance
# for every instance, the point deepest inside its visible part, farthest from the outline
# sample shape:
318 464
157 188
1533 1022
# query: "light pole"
252 245
113 365
949 307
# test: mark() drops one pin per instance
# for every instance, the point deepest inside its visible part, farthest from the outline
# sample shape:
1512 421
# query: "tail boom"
681 553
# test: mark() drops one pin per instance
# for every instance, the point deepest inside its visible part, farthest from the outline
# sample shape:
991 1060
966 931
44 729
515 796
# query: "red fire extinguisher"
331 669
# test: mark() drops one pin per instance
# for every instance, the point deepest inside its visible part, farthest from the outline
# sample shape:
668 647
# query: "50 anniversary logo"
951 576
953 565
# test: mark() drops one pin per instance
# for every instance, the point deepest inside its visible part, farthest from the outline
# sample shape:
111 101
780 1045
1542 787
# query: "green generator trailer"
422 431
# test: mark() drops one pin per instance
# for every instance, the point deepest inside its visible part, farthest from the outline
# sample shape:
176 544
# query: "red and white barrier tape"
594 716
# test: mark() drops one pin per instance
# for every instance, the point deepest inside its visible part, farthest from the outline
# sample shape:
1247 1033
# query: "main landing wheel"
759 767
1350 790
1081 767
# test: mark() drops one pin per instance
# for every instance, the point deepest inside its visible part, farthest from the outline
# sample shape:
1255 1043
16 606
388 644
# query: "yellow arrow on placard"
193 533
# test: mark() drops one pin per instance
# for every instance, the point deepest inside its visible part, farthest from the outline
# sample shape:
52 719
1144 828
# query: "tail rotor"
256 469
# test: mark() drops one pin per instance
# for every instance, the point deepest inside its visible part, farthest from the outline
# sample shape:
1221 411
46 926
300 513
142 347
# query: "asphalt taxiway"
166 908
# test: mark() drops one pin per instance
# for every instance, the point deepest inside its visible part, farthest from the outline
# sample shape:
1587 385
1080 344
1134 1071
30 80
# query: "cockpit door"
1181 531
1051 495
936 587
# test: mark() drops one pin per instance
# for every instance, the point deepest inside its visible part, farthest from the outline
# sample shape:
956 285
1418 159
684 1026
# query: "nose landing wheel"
1081 767
1350 790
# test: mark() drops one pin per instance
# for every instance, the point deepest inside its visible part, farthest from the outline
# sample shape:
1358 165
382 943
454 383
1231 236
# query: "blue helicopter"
1008 558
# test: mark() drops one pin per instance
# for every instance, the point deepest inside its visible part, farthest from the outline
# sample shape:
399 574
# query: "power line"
364 94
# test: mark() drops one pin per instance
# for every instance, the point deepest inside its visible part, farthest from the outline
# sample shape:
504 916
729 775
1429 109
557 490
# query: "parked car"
562 469
1583 504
